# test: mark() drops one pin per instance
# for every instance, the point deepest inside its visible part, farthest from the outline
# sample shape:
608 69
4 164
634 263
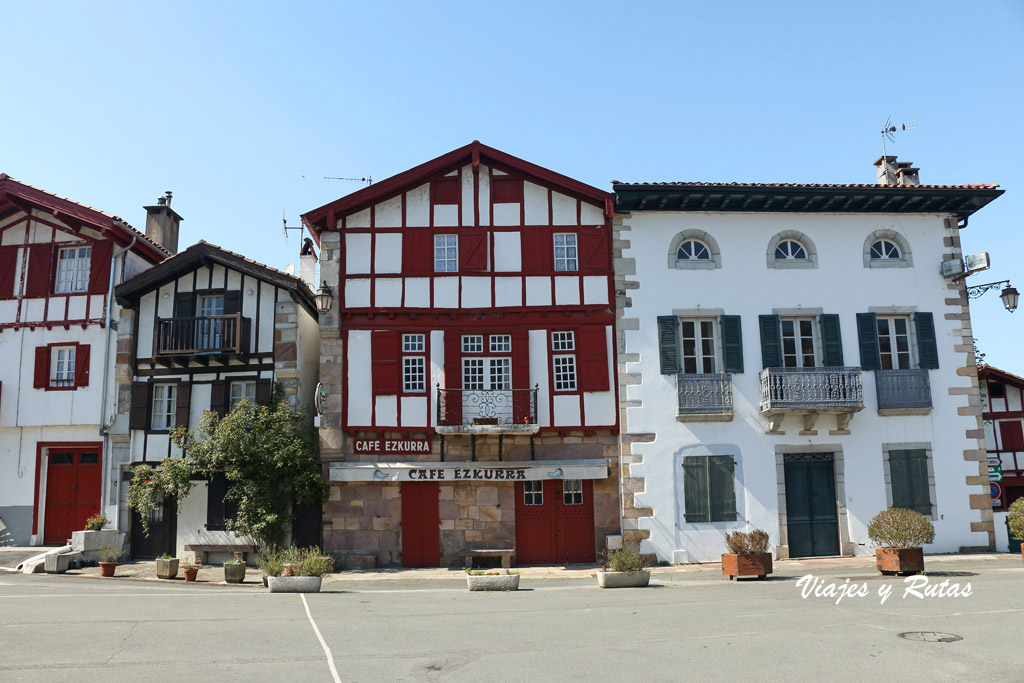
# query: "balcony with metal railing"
487 411
704 397
201 338
903 392
811 392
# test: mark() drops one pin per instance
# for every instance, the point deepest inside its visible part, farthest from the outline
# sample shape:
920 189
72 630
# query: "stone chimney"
906 174
307 264
162 223
892 172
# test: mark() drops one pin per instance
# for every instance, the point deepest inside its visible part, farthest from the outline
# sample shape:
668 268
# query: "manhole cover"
931 636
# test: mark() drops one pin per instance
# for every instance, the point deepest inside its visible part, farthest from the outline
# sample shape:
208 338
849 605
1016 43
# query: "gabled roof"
202 254
963 200
15 194
987 372
317 220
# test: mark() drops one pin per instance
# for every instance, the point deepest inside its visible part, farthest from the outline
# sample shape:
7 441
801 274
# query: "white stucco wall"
745 286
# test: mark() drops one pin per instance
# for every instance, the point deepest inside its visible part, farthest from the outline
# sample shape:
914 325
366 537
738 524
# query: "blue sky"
241 108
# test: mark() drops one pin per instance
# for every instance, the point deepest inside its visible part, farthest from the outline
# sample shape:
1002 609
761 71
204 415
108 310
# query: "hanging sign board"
448 472
385 446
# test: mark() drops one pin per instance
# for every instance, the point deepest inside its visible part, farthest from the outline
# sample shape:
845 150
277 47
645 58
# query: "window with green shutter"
732 343
908 476
709 490
668 344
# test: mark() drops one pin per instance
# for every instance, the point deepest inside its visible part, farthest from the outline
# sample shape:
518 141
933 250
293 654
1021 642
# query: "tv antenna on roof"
286 227
889 129
368 180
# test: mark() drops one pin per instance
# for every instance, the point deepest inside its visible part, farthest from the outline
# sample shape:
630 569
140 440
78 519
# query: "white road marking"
323 644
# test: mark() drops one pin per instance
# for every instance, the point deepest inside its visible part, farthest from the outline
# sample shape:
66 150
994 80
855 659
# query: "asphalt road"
684 627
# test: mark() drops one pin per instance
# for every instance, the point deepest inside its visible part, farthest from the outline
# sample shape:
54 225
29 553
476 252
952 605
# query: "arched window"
790 250
693 250
885 250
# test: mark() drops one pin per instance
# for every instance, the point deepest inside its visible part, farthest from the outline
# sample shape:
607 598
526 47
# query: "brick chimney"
162 223
307 264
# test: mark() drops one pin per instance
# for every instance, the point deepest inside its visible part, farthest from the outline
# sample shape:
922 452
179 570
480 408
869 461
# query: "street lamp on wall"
324 298
1009 294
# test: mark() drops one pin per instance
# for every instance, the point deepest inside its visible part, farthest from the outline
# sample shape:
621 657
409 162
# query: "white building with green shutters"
791 358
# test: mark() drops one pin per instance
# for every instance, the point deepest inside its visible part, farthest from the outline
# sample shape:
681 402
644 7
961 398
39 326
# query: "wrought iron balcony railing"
704 394
224 334
903 389
836 389
486 407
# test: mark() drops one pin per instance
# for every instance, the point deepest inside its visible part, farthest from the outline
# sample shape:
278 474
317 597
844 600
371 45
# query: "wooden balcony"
203 339
487 411
811 392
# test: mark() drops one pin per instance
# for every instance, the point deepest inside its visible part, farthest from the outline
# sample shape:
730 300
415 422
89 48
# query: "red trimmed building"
467 365
1002 394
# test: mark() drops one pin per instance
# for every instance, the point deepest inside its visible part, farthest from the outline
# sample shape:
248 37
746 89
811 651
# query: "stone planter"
903 561
167 568
56 564
294 584
190 573
107 568
638 579
492 582
755 564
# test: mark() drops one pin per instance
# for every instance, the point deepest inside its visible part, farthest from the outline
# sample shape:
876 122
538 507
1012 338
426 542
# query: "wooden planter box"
899 560
638 579
167 569
735 566
492 582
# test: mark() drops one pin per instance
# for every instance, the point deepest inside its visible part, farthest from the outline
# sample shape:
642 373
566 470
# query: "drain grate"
931 636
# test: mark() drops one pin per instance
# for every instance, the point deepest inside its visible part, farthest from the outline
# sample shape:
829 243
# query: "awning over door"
533 470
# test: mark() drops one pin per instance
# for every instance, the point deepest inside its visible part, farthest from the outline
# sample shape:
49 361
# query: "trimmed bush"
899 528
1016 519
755 542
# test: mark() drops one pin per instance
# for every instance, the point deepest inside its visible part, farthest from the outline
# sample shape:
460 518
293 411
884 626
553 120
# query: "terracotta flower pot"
756 564
191 573
903 561
107 568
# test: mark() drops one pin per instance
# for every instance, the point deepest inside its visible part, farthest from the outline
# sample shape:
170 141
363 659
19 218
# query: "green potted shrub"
96 522
190 570
310 568
900 533
271 563
623 569
108 560
748 555
234 570
492 579
1015 521
166 567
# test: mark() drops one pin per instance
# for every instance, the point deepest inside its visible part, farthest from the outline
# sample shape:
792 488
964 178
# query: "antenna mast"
889 129
368 180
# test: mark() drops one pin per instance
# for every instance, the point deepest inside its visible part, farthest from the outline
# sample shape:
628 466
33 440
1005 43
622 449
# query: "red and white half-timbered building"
59 261
1002 403
467 366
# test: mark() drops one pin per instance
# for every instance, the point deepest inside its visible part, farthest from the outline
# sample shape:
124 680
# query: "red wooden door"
421 545
72 491
555 521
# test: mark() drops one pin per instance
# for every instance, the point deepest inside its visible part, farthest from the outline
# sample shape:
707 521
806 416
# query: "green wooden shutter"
668 344
927 350
695 490
721 488
908 474
771 341
732 343
831 340
867 338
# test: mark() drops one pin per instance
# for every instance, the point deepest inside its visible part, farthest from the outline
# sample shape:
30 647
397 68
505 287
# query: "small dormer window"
693 250
885 250
790 250
73 270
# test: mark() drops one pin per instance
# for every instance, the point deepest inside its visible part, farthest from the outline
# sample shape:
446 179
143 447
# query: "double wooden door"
72 491
811 511
555 521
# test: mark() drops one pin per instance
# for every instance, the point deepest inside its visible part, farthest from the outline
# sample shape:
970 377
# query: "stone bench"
201 549
506 555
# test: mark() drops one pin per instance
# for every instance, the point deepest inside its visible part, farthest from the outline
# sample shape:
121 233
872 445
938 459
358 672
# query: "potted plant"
234 570
166 567
748 555
900 533
108 560
271 563
1015 521
623 569
96 522
310 568
492 580
190 570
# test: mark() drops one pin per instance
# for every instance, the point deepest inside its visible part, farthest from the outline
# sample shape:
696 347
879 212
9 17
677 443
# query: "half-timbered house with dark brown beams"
203 331
59 262
467 365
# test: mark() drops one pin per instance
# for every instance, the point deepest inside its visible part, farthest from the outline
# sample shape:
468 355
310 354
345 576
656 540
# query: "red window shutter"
99 268
538 250
82 365
473 250
417 252
8 261
445 190
594 249
506 190
452 414
40 263
384 366
521 389
42 369
1011 436
592 358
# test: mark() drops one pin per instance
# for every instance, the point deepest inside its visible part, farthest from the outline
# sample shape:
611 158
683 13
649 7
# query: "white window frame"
500 343
533 492
246 388
569 259
414 363
698 252
472 343
62 366
564 372
572 492
798 337
700 355
890 321
563 341
790 254
446 253
810 259
165 398
73 270
885 253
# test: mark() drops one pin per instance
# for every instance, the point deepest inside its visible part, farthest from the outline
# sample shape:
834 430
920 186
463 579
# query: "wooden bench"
506 555
201 549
